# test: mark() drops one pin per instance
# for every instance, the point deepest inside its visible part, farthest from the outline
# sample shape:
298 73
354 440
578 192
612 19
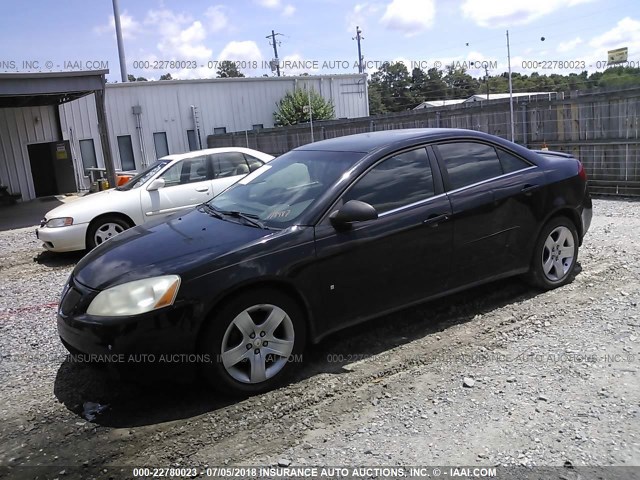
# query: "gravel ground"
499 375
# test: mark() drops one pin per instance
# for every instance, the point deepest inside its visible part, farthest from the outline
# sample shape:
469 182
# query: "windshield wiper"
247 217
206 208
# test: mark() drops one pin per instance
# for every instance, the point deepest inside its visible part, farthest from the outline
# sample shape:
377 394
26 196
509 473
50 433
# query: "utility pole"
359 37
123 63
513 132
486 79
310 114
274 43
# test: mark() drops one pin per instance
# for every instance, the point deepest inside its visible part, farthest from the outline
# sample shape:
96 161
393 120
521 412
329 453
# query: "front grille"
70 301
76 298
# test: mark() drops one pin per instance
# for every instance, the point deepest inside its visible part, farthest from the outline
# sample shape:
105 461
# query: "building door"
51 168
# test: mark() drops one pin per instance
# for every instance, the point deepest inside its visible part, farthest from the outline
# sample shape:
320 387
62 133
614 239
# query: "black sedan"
326 236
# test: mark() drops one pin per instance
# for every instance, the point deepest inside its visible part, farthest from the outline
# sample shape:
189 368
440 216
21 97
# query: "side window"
253 162
228 164
511 163
187 171
468 163
197 170
395 182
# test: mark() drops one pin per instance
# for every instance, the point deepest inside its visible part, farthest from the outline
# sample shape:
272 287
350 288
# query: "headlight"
60 222
137 297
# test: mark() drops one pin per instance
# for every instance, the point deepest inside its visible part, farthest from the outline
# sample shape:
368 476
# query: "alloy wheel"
106 231
558 253
257 344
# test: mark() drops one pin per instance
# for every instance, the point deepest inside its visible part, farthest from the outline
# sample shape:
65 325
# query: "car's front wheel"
254 342
104 228
555 254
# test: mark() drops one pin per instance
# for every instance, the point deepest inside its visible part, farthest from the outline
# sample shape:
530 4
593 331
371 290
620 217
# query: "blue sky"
425 31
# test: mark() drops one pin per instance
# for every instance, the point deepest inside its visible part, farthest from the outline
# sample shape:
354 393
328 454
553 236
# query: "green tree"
131 78
427 86
293 108
394 83
166 76
459 83
376 107
228 69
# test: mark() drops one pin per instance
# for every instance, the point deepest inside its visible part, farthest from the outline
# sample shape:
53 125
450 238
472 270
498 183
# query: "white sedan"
173 183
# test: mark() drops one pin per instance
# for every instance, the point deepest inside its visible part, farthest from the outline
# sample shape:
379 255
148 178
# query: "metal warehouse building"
145 121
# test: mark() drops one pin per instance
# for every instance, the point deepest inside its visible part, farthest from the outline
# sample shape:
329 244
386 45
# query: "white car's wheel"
104 228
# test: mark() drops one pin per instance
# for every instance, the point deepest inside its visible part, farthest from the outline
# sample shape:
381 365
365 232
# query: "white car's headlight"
137 297
60 222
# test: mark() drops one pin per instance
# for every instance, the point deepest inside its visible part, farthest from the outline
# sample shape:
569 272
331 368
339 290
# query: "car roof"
207 151
368 142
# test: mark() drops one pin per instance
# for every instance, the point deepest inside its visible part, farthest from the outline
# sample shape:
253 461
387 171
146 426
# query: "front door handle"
202 189
435 219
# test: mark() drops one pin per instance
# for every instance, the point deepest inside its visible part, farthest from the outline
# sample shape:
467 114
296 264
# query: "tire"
103 228
555 255
233 367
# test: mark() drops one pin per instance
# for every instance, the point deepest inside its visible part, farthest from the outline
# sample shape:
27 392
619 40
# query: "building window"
126 153
257 126
88 154
193 140
160 141
219 130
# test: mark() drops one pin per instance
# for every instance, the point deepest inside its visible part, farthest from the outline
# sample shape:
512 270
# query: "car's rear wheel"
253 343
555 254
104 228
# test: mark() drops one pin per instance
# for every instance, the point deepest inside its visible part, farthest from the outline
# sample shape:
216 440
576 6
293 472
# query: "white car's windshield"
278 193
144 176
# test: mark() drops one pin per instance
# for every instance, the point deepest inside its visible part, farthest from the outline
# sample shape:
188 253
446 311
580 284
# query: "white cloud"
569 45
128 25
360 14
624 34
217 18
181 38
269 3
288 10
409 16
241 50
514 12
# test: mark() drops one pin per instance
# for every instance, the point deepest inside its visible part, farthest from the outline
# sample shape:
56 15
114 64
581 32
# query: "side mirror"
156 184
352 211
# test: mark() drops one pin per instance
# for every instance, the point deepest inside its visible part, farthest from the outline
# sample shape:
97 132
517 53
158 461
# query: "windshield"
278 193
144 176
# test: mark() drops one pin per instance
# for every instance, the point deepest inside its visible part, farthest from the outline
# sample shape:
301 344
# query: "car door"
187 183
228 168
469 170
519 196
400 257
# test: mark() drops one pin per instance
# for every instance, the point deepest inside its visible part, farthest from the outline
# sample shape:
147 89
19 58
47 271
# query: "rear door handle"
529 188
435 219
202 189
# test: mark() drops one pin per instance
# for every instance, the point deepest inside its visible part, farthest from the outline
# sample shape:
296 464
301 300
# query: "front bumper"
137 338
63 239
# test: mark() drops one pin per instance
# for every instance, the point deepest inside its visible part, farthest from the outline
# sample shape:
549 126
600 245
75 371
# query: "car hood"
80 208
173 246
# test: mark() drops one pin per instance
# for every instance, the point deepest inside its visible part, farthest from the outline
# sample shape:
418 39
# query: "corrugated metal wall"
235 104
20 127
